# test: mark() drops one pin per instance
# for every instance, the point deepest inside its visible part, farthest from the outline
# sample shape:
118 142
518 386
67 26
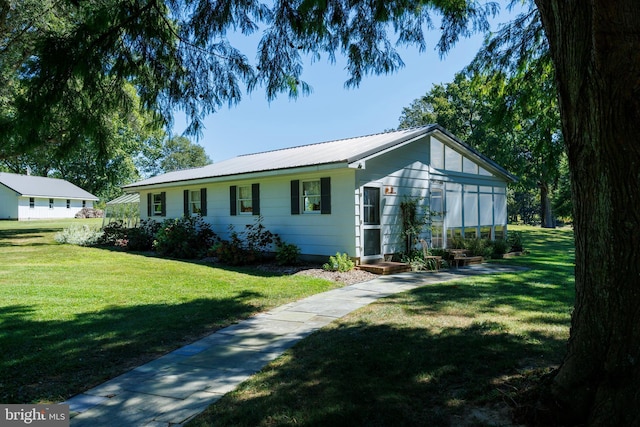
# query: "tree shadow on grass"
420 358
53 360
377 375
29 236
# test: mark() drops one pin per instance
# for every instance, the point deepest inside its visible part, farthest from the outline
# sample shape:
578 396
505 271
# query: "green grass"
454 353
72 317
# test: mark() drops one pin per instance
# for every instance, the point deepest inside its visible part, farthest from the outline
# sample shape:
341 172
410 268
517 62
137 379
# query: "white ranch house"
343 196
25 197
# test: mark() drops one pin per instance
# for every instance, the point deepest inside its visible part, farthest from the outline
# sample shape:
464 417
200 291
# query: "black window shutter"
325 195
185 200
233 206
295 197
149 204
255 199
163 203
203 201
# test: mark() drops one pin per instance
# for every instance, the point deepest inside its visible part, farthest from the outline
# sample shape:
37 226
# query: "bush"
499 248
232 251
478 247
339 262
248 247
79 235
89 213
186 237
286 253
141 238
515 241
114 234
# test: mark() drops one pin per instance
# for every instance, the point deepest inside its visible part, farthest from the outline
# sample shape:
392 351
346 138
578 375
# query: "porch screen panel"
371 241
470 209
454 208
500 208
486 209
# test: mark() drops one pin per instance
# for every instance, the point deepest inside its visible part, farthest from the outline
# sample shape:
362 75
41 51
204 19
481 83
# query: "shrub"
515 241
232 251
339 262
499 248
456 242
248 247
187 237
141 238
113 233
258 240
79 235
286 253
478 247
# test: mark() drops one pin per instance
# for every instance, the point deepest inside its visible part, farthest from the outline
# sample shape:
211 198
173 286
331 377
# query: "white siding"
41 209
313 233
402 172
8 203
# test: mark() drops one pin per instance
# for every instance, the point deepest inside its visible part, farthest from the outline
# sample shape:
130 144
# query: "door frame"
364 226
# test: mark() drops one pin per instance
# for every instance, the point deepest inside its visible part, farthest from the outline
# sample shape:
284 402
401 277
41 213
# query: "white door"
371 228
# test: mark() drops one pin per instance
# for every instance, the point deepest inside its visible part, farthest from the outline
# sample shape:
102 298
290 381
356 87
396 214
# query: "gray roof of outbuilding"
343 151
38 186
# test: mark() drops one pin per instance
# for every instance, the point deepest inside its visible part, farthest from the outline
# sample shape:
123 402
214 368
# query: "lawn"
72 317
457 353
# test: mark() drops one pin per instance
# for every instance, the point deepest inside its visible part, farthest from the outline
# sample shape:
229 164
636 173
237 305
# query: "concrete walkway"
179 385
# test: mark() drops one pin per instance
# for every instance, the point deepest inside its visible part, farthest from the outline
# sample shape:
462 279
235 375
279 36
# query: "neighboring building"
25 197
345 195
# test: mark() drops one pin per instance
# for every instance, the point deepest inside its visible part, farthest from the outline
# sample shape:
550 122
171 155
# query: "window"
468 166
50 203
452 160
68 204
313 196
32 202
436 234
156 204
371 206
437 154
244 199
485 232
84 203
435 202
470 232
195 202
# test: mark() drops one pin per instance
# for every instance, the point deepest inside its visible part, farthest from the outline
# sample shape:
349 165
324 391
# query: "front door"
371 229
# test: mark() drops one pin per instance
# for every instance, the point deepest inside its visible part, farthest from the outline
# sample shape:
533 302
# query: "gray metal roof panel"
125 198
38 186
347 150
344 150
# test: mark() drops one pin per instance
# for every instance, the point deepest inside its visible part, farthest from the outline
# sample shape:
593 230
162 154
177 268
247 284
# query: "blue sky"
331 111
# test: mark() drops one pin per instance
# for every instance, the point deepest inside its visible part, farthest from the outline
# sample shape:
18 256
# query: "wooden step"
385 267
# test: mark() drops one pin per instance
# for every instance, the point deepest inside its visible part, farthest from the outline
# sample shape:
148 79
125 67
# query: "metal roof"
38 186
125 198
344 151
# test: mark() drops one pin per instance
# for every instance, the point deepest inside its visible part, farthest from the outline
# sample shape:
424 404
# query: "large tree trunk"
595 46
546 212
